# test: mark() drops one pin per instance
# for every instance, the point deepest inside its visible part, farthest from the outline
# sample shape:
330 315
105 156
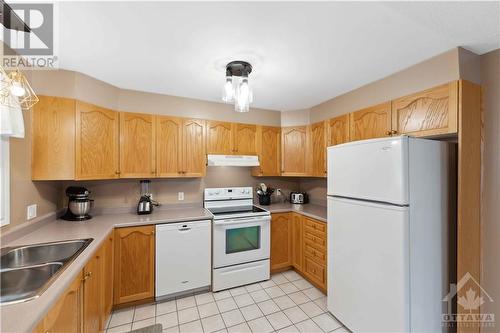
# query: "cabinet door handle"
117 172
152 232
388 133
86 276
394 132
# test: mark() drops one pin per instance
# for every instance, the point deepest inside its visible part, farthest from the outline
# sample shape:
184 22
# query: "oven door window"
242 239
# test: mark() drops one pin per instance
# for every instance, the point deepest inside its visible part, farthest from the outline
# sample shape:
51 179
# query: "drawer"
318 241
318 226
314 232
318 255
315 271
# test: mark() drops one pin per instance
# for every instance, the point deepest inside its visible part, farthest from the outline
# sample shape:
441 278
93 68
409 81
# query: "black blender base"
71 217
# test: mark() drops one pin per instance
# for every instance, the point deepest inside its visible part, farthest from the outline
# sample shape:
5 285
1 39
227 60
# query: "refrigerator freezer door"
368 265
374 170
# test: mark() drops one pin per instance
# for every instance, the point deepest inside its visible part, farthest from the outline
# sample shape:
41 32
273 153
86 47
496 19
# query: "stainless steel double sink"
27 271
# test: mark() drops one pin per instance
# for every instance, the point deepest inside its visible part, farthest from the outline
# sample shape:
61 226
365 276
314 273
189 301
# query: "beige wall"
295 118
490 236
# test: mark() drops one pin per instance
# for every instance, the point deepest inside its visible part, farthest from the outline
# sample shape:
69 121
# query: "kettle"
299 197
145 205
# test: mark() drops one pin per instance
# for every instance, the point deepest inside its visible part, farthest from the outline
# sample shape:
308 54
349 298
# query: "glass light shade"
243 95
17 89
228 91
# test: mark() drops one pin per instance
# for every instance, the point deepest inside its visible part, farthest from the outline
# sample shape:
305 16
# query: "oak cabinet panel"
137 145
430 112
319 142
97 147
53 135
269 143
294 150
245 139
169 146
219 137
338 130
193 148
134 264
92 284
107 279
281 241
372 122
297 242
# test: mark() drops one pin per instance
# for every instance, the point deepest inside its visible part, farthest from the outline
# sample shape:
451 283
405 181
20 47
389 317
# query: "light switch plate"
31 212
180 196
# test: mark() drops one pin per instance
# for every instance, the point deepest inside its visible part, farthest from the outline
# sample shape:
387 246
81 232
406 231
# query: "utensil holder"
265 200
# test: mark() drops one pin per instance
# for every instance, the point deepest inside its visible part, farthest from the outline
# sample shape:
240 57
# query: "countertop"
311 210
22 317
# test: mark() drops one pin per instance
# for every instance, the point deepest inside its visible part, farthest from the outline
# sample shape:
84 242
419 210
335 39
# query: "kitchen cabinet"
92 289
430 112
269 151
53 133
372 122
294 151
245 139
193 148
314 250
281 241
66 314
220 138
134 264
183 256
107 250
97 142
297 240
319 141
137 145
338 130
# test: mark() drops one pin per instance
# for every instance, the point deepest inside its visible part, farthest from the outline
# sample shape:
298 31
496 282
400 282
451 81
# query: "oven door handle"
243 221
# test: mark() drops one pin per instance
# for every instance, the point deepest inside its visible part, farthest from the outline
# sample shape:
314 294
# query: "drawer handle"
186 281
86 276
184 228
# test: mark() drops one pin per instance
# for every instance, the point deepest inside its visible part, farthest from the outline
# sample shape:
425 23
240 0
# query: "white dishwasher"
183 257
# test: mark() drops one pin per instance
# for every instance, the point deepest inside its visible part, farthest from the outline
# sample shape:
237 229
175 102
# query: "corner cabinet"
269 148
134 264
319 141
294 151
372 122
281 242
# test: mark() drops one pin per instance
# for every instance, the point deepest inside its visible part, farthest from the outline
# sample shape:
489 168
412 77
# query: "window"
4 181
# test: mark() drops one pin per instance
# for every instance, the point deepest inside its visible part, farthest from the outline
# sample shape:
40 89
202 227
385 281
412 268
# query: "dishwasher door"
183 257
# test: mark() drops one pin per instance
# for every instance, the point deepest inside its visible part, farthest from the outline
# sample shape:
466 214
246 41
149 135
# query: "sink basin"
41 253
27 271
24 283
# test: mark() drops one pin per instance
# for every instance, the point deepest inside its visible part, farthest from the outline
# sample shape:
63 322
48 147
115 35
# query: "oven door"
241 240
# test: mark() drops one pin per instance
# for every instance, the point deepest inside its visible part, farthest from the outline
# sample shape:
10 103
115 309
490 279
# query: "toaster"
299 198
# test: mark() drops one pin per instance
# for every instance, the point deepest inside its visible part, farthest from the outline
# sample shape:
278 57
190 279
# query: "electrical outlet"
31 212
180 196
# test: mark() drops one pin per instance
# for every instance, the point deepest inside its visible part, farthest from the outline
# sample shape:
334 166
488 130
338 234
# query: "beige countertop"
22 317
311 210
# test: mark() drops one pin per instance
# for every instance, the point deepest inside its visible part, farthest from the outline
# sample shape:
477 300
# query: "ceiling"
302 53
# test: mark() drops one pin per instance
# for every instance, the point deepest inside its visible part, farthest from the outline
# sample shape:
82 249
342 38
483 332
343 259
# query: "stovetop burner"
236 210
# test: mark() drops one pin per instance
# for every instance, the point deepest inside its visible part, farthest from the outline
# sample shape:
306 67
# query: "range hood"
233 160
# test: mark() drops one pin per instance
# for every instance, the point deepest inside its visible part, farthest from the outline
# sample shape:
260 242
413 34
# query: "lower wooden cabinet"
281 242
107 279
297 248
92 277
134 264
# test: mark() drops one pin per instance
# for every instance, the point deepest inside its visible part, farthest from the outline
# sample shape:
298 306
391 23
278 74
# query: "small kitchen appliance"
299 198
241 237
79 204
145 205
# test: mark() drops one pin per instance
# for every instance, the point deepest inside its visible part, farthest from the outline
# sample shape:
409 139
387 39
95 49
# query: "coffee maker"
79 204
145 205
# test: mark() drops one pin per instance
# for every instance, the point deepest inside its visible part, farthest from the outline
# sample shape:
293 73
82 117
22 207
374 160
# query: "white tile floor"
285 303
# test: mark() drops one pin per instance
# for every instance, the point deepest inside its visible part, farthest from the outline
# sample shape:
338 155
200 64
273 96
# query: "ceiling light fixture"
237 89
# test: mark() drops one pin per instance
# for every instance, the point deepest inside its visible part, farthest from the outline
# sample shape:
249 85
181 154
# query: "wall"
295 118
490 274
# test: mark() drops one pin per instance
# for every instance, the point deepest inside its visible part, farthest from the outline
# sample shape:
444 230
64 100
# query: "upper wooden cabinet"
338 130
137 145
220 137
372 122
245 139
294 151
430 112
193 148
53 139
134 264
281 241
169 146
319 141
97 148
269 151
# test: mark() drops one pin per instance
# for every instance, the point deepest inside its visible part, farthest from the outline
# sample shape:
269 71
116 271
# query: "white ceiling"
302 53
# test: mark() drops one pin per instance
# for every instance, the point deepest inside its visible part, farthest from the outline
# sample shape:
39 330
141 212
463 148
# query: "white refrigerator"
387 234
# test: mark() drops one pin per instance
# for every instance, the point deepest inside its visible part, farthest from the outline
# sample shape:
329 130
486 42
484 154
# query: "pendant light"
237 88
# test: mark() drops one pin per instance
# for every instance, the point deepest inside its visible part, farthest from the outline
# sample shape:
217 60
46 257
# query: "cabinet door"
269 141
338 129
92 300
134 264
297 242
137 142
372 122
53 135
66 314
169 146
318 139
294 151
219 138
194 159
430 112
245 139
96 146
281 241
107 279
